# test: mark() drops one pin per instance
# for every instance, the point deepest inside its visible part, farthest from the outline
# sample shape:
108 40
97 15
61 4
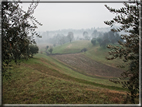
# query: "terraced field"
85 65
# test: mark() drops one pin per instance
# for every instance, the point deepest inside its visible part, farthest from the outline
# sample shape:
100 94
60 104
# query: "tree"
33 49
104 43
50 50
85 34
93 41
15 32
47 47
99 40
128 18
95 33
83 50
70 36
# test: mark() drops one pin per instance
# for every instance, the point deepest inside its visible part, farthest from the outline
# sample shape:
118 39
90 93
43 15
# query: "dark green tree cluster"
110 37
33 49
107 38
93 41
50 50
17 32
128 18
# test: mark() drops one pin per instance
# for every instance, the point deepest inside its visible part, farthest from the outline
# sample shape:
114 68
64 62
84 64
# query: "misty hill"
96 53
47 36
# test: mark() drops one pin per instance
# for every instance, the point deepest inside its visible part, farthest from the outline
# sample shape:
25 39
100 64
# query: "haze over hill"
78 34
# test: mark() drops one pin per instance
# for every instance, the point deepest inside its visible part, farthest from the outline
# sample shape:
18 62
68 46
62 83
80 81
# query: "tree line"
107 38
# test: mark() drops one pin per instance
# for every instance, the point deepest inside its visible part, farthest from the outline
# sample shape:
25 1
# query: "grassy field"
40 81
72 47
46 80
94 52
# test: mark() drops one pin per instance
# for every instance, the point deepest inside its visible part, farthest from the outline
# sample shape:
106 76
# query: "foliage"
85 34
33 49
70 36
15 31
109 37
47 47
93 41
128 18
104 43
83 50
50 50
95 33
99 40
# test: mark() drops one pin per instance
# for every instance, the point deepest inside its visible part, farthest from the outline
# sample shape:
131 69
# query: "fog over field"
61 18
78 34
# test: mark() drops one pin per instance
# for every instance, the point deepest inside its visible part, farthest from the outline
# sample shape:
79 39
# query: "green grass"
99 54
96 53
72 47
45 80
64 69
33 82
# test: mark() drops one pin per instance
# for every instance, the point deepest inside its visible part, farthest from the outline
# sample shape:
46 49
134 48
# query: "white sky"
57 16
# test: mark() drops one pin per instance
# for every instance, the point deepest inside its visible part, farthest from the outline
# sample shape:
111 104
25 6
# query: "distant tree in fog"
62 40
47 47
70 36
85 34
94 34
99 40
93 41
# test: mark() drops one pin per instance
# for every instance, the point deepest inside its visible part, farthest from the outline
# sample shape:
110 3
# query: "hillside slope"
73 47
96 53
50 80
42 80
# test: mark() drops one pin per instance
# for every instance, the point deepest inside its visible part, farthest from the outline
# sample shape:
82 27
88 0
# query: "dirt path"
88 66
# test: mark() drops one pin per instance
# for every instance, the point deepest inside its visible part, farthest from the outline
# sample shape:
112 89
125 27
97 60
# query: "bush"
33 49
93 41
84 50
50 50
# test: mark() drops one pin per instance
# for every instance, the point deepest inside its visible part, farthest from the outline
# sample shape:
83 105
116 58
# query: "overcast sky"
57 16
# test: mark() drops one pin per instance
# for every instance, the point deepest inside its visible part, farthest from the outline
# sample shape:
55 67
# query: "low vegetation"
39 81
48 80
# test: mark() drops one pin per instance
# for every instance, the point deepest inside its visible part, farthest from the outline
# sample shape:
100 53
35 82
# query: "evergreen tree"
128 18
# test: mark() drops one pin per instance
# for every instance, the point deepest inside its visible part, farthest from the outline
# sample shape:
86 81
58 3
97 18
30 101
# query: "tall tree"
15 32
128 18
